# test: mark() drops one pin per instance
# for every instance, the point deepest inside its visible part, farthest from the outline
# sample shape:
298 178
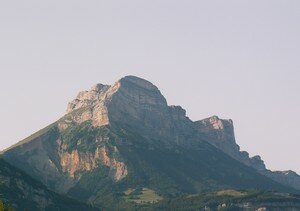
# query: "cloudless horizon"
238 60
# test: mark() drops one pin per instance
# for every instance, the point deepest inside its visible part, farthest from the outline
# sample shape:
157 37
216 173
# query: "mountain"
18 191
220 133
124 138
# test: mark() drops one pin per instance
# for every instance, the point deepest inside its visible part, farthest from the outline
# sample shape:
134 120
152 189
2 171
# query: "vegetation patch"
230 192
142 196
231 200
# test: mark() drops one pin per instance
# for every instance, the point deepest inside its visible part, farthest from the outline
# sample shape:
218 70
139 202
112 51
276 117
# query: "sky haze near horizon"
235 59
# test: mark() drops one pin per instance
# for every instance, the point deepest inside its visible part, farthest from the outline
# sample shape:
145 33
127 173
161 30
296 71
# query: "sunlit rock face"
75 162
91 105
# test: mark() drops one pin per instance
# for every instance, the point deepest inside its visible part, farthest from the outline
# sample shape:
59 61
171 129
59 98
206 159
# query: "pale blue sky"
235 59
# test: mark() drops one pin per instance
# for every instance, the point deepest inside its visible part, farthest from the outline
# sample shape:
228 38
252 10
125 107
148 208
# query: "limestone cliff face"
131 102
75 162
220 133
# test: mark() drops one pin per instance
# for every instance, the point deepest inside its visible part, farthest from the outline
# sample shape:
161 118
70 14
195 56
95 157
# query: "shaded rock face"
220 133
140 105
290 178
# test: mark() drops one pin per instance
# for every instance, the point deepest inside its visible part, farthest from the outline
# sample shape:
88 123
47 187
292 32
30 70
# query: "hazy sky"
235 59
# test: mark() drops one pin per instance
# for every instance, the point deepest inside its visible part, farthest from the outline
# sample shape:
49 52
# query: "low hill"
18 191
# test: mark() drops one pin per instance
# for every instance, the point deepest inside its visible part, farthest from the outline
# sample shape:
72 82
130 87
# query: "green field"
230 192
142 196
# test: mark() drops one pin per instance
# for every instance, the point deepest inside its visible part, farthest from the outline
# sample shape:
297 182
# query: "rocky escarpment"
220 133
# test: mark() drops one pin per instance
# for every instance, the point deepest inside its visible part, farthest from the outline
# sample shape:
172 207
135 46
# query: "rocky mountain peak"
132 86
138 83
129 100
140 91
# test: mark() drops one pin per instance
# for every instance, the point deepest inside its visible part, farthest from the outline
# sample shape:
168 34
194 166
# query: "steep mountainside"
220 133
20 192
123 137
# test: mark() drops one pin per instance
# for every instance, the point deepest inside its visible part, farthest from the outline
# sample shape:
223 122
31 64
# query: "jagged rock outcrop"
220 133
93 105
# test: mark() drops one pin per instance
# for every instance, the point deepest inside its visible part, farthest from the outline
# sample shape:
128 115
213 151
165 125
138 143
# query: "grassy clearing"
229 192
142 196
129 191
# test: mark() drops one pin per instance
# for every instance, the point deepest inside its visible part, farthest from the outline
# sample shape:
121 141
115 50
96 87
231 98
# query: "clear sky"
235 59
